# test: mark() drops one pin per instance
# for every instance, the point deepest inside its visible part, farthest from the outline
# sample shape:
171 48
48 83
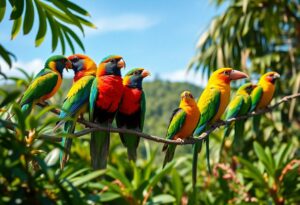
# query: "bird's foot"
179 140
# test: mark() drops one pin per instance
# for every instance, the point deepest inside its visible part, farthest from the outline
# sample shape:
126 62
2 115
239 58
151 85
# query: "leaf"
18 7
75 7
29 17
54 30
252 171
177 185
69 42
114 173
245 5
52 157
264 158
163 199
109 196
78 172
42 25
75 37
62 41
16 27
2 9
6 55
9 98
83 179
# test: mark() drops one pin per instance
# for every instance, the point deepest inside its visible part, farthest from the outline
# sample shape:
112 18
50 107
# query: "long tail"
66 143
26 108
207 153
238 136
256 122
131 142
99 148
170 151
196 150
227 131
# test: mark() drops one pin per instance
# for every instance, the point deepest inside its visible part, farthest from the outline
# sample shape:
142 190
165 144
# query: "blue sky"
157 35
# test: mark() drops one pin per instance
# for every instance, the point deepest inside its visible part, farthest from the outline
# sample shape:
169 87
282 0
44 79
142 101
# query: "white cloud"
184 76
125 22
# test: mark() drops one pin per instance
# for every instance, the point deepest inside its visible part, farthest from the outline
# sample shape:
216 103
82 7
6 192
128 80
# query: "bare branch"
95 127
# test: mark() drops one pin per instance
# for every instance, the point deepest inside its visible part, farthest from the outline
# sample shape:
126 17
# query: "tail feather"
256 122
207 153
131 142
99 149
170 151
196 150
66 143
238 136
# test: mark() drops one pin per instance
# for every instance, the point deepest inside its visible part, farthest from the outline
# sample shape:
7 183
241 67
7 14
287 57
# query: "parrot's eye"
226 72
112 60
75 59
136 73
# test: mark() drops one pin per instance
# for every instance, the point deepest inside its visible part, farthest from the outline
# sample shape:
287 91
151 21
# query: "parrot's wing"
234 107
176 122
255 97
41 86
77 96
210 108
93 97
143 110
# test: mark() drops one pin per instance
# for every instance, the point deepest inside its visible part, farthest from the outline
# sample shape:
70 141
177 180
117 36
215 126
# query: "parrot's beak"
276 75
235 75
121 63
145 73
68 65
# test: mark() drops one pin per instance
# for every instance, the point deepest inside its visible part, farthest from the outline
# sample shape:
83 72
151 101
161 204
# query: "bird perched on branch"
46 83
77 100
182 123
262 95
238 106
212 104
105 97
131 113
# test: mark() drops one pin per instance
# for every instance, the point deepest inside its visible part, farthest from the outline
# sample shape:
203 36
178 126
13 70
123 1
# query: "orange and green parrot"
238 106
262 95
182 123
212 104
105 97
46 83
131 112
77 100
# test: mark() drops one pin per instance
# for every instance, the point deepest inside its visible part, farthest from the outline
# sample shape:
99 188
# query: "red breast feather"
110 93
131 101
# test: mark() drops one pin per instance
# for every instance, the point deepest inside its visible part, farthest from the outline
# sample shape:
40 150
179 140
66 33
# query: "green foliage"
59 15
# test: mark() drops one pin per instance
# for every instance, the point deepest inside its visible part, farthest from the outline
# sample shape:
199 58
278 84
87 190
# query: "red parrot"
105 97
132 109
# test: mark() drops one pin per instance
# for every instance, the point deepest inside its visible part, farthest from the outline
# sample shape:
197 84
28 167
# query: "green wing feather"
93 97
176 122
255 97
42 85
210 106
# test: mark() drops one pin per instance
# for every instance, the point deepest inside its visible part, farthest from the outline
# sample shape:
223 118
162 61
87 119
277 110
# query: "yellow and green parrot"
131 112
238 106
46 83
212 104
182 123
77 100
106 93
262 95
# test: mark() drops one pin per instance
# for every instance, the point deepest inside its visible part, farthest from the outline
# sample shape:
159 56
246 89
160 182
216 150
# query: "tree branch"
95 127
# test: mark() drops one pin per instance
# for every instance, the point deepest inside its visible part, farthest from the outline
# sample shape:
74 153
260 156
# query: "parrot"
182 123
238 106
262 95
105 97
77 100
212 104
46 83
131 112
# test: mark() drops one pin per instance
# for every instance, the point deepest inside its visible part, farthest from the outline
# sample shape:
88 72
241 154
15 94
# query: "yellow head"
269 77
226 75
187 97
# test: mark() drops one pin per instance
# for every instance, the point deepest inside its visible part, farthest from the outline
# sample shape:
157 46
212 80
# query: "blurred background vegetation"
254 36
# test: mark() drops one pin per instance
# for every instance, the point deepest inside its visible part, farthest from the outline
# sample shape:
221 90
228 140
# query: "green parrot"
46 83
239 105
